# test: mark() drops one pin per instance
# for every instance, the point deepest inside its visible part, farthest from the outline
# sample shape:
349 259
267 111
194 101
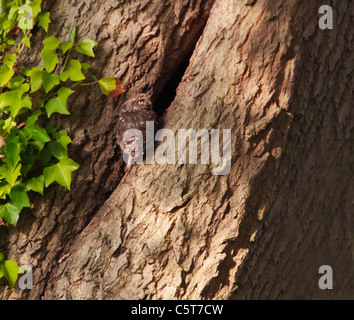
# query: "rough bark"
261 68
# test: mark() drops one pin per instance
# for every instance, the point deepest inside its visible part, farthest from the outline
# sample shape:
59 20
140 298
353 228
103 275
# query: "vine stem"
84 84
66 60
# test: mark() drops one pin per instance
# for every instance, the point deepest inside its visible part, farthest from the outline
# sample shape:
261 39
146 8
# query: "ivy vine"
33 156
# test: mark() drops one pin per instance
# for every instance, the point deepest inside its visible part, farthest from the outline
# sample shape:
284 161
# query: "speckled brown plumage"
133 115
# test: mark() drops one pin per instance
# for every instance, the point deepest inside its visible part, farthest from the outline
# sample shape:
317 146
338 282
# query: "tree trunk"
263 69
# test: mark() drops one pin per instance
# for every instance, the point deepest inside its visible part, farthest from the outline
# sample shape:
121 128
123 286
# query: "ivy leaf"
35 184
36 78
65 46
9 174
111 86
62 138
14 100
16 82
107 85
74 72
24 102
44 20
8 98
25 71
49 57
26 40
10 213
86 47
22 89
6 74
49 81
60 172
31 120
59 148
5 189
59 104
8 125
51 43
12 154
12 176
18 195
85 66
39 134
73 34
10 270
36 8
9 60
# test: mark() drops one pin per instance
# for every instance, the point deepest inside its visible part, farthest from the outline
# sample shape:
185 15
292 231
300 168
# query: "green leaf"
65 46
14 100
6 74
39 134
16 82
24 102
51 43
59 104
22 89
49 57
25 71
12 154
22 270
9 174
18 196
8 98
31 120
5 189
9 124
86 47
26 40
73 34
36 8
85 66
57 150
74 72
10 213
60 172
35 75
35 184
44 20
9 60
49 81
10 270
2 258
107 85
62 138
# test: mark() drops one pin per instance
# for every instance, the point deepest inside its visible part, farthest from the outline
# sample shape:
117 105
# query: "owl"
133 115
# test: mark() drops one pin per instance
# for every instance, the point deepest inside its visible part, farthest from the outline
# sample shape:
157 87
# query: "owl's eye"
141 101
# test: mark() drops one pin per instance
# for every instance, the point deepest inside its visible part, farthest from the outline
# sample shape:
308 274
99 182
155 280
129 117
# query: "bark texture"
260 68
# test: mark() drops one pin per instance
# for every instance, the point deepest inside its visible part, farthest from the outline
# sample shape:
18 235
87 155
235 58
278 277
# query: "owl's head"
138 102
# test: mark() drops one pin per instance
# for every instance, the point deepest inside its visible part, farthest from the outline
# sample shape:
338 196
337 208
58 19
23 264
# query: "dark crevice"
168 93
